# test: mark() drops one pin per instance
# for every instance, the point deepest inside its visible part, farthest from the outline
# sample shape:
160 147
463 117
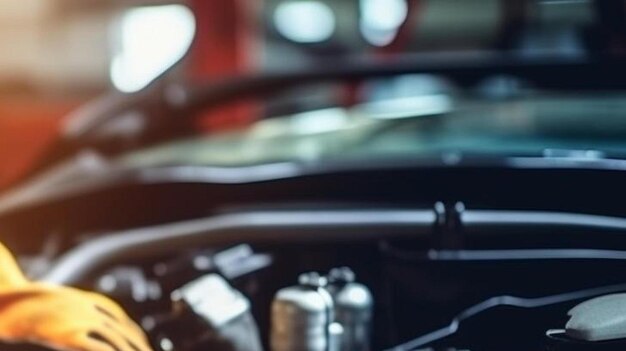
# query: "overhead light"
305 21
381 20
149 40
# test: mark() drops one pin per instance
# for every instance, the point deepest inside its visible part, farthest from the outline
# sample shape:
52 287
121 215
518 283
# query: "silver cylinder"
302 317
353 307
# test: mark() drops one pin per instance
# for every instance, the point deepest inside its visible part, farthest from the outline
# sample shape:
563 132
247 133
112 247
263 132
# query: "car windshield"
429 114
581 126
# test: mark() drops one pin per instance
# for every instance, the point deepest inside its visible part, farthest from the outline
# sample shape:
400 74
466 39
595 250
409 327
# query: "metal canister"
303 317
353 306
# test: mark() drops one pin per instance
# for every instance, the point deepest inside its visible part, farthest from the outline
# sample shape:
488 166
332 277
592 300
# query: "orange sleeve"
11 275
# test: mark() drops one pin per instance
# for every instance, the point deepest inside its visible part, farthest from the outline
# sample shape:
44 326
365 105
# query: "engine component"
232 263
354 305
303 317
129 284
599 319
209 314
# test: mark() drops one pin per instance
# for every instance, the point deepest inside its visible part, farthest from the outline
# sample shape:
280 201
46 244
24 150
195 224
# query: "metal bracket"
448 226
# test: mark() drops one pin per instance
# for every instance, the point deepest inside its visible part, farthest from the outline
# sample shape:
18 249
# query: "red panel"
216 50
224 47
26 129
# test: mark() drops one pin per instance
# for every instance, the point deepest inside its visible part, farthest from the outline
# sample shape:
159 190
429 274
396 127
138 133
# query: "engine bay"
500 269
421 281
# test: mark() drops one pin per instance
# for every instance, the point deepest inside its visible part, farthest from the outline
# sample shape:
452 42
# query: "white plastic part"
599 319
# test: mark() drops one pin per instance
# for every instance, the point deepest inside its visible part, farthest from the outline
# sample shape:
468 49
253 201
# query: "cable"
506 300
504 255
532 254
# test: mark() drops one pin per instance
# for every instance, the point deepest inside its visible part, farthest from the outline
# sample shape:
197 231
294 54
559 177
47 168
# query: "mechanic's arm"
62 318
11 275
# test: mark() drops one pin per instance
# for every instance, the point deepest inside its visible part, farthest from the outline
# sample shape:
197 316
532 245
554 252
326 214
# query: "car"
427 202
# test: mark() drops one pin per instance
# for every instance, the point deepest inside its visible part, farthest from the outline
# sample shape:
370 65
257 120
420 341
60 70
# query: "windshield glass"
420 115
578 126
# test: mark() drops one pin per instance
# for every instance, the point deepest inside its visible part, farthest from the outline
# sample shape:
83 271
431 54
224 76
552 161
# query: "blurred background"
59 54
